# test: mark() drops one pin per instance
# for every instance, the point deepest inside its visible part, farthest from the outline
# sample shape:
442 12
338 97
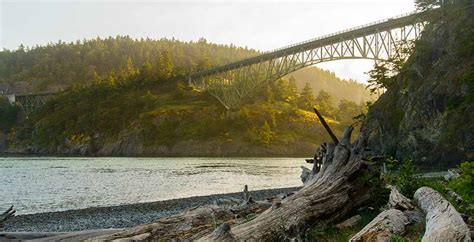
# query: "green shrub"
464 184
8 115
406 178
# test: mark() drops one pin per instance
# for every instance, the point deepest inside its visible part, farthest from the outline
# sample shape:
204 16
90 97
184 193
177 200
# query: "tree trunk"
328 195
443 222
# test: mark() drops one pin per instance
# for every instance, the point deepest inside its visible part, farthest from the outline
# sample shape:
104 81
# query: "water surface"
48 184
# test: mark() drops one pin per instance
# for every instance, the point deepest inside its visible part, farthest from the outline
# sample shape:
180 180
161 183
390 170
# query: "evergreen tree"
146 72
347 110
165 65
379 77
270 96
205 62
324 102
292 89
306 99
129 71
284 91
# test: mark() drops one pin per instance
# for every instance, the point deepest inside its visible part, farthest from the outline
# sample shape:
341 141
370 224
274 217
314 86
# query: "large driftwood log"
443 222
383 227
189 225
329 195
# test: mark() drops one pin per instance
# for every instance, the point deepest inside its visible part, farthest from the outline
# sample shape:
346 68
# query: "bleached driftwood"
398 201
188 225
383 227
443 222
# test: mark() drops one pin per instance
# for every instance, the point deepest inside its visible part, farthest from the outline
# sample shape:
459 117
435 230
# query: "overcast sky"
262 25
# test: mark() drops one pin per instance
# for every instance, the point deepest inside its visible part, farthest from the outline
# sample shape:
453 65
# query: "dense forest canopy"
61 65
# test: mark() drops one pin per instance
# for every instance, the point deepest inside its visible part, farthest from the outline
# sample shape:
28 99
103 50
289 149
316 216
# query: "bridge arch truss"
232 83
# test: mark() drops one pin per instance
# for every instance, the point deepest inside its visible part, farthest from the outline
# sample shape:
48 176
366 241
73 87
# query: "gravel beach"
119 216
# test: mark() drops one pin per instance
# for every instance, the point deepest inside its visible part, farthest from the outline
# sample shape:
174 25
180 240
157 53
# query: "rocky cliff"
428 114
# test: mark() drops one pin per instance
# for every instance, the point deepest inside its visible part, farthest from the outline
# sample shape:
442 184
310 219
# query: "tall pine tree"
306 99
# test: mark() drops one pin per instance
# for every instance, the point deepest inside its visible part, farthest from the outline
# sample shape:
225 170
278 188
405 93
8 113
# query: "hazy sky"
262 25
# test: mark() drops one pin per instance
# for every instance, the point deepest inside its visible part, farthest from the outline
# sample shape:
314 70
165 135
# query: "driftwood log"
443 222
396 200
383 227
10 212
328 196
388 223
189 225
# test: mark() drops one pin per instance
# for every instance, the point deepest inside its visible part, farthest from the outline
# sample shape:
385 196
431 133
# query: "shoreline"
120 216
59 155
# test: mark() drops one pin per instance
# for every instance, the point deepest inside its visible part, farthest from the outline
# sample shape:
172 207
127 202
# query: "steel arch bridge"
29 102
233 82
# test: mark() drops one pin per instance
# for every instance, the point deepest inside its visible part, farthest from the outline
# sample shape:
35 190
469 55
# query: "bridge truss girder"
31 102
231 86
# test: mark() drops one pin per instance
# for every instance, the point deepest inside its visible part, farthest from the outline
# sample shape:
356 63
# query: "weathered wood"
350 222
76 235
250 207
222 233
326 126
10 212
246 193
396 200
383 227
306 174
328 196
188 225
443 222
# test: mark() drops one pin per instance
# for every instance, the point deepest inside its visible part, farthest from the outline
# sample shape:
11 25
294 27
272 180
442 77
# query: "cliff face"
428 114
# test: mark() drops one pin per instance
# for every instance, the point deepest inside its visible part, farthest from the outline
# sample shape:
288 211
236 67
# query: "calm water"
54 184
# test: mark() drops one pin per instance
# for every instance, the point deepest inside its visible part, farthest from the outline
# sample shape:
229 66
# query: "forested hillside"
129 97
61 65
328 81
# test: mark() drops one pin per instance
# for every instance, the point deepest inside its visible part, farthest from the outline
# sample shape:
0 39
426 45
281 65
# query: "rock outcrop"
428 113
